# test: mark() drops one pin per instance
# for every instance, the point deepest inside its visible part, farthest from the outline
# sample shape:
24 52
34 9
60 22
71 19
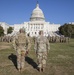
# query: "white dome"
37 14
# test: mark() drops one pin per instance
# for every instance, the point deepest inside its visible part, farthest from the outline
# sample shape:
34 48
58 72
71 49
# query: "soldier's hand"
26 52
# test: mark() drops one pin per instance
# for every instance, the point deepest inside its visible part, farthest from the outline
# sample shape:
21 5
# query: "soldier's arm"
47 45
29 44
13 43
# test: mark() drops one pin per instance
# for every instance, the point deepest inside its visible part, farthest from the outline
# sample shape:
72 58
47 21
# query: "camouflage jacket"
20 40
41 44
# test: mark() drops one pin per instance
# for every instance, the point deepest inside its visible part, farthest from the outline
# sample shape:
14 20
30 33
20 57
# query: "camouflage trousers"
41 59
20 59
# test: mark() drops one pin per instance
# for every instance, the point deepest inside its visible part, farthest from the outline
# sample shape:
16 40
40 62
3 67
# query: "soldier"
57 39
53 39
41 48
22 45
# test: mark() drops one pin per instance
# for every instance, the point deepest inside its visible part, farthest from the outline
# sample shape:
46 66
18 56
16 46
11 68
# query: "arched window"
32 32
35 32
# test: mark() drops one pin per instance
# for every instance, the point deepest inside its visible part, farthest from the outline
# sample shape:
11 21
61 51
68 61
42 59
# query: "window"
35 32
41 27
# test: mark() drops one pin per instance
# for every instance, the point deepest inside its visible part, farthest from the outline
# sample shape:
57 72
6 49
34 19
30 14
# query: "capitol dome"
37 14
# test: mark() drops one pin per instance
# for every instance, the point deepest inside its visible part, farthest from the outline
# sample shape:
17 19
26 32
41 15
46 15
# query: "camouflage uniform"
41 47
21 44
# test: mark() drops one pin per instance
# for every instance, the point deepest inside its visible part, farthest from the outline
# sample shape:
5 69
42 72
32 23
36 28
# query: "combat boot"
40 70
22 70
19 70
43 69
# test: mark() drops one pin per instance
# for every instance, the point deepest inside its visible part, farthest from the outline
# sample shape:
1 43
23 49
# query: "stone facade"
37 22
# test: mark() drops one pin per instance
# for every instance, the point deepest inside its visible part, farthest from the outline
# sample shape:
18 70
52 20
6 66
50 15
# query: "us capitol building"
37 22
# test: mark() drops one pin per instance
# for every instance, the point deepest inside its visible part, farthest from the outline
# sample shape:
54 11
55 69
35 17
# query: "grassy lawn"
60 60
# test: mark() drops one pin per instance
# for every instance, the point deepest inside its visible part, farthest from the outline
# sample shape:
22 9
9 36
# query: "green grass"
60 60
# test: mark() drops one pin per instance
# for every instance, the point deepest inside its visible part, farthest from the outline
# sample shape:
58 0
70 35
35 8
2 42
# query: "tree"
72 31
67 30
9 30
1 31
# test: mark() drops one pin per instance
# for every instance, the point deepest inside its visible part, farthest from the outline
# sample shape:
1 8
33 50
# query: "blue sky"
19 11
